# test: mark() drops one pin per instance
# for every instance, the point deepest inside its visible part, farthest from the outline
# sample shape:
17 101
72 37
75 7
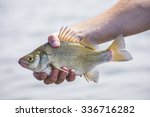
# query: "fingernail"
65 68
72 73
54 43
43 76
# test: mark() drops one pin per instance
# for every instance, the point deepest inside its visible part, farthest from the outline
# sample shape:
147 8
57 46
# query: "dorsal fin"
68 35
89 42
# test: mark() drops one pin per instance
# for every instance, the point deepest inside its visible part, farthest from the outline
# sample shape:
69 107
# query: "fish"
81 55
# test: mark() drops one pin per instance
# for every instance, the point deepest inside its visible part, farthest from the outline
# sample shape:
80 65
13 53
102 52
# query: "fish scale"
76 53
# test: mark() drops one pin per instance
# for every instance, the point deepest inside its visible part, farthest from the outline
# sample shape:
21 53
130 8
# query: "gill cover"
36 61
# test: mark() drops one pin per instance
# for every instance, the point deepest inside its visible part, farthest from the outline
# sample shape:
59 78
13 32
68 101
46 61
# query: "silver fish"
80 55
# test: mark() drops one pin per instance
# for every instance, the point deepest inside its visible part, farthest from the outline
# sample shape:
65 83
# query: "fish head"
35 61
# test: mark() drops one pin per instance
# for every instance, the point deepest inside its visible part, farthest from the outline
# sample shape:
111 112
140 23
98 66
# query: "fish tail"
117 49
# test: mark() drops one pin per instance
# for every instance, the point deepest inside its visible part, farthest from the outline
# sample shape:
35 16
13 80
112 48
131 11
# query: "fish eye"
30 59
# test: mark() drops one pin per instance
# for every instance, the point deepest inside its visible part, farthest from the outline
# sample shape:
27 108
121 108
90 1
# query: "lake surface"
26 24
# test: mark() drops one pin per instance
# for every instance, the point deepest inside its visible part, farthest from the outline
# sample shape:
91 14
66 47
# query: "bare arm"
127 17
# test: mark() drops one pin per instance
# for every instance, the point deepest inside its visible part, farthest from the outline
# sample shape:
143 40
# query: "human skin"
127 17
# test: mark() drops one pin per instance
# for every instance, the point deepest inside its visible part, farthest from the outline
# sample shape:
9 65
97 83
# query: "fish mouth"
23 62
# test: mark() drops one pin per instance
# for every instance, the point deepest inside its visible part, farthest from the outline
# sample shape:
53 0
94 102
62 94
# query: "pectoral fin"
92 76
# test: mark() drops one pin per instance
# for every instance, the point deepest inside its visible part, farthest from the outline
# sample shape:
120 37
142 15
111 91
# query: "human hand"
56 76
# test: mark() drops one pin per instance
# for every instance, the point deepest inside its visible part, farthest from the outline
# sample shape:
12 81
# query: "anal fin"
92 76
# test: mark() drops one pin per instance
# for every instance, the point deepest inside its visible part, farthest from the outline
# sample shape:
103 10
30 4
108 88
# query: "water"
26 24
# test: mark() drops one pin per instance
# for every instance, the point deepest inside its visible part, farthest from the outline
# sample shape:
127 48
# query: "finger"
54 41
40 76
53 77
71 76
62 75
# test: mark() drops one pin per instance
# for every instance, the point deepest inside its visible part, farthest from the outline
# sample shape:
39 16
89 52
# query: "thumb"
54 41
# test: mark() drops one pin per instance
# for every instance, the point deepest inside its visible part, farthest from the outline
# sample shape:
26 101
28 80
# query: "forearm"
126 17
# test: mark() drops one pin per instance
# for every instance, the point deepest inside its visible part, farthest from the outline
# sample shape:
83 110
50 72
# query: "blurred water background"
26 24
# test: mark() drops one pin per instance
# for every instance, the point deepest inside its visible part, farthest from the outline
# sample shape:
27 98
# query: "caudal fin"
118 50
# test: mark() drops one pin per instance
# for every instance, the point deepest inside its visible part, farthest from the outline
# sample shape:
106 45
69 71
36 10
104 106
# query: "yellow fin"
118 50
92 76
68 35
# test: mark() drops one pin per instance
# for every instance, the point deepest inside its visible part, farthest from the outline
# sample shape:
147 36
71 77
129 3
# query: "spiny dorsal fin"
68 35
92 76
